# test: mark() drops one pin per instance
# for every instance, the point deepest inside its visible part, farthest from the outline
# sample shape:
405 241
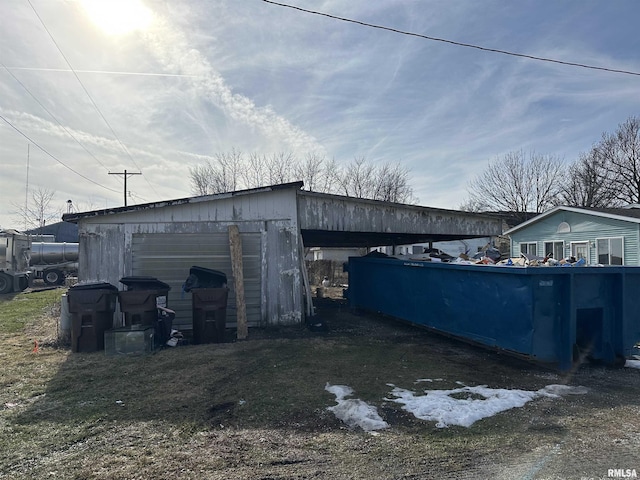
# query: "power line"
87 92
53 116
460 44
54 157
106 72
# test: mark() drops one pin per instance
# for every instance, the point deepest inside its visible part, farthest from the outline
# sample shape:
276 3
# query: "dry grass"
257 409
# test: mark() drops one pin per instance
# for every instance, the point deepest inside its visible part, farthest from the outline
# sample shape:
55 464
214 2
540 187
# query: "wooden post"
305 277
235 245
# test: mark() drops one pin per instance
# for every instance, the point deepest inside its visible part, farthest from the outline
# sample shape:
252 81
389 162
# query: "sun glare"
118 17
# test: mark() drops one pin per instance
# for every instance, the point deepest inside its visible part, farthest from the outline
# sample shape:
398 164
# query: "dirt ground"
257 409
590 436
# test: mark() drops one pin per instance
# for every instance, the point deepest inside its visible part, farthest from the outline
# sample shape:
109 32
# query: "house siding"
584 227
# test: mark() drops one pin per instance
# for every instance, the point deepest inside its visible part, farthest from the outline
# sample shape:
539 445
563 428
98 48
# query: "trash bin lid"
144 283
208 274
94 286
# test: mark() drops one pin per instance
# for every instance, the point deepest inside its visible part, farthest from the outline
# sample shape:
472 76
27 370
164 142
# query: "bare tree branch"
228 171
517 183
38 212
620 154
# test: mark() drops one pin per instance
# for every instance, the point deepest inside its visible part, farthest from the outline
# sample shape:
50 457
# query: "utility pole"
125 174
26 193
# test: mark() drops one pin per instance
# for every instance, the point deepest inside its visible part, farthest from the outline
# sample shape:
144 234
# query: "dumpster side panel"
468 302
598 313
551 300
630 323
556 316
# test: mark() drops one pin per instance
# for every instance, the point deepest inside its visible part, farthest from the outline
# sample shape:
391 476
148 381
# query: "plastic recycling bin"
91 306
133 340
141 300
209 314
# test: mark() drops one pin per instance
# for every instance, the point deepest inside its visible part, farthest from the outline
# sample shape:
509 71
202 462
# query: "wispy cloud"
215 75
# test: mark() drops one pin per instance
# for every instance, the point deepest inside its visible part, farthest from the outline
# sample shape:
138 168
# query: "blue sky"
205 76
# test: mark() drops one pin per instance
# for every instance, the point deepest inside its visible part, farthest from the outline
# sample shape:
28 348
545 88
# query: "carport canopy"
337 221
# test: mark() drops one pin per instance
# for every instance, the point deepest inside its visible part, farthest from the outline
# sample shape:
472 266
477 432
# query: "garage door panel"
168 257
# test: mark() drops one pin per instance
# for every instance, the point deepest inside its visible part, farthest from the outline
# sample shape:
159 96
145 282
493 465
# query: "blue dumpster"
552 315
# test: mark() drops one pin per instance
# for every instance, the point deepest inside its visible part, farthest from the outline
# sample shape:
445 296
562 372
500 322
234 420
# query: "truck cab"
15 254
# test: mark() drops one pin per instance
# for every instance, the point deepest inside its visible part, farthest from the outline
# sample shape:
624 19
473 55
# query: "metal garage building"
164 239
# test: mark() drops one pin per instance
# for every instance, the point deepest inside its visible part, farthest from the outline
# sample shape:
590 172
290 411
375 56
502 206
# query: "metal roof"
328 220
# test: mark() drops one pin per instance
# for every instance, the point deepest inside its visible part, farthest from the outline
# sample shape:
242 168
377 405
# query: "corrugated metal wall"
169 256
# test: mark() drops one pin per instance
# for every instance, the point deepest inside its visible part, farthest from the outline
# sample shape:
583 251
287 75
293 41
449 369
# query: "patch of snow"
479 402
355 412
556 391
471 404
459 406
632 363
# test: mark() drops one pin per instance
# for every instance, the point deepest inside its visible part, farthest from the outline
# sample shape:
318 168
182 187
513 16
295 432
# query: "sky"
91 88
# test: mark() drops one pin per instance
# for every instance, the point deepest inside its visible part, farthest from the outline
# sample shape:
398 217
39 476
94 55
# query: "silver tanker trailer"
22 261
52 262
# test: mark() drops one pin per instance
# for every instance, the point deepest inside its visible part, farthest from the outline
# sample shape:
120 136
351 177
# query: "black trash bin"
201 277
91 306
141 300
209 303
164 326
209 307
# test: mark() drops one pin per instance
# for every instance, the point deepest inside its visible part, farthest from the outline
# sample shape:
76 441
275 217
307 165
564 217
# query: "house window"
610 251
529 248
580 250
555 249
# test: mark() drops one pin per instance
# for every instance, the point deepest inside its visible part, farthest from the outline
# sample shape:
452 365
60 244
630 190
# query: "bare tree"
311 170
222 174
588 183
518 183
620 154
255 171
357 179
226 172
201 178
279 168
474 205
329 178
392 184
38 212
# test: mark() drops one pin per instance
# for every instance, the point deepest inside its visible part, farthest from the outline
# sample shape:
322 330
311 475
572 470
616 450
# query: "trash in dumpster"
489 252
